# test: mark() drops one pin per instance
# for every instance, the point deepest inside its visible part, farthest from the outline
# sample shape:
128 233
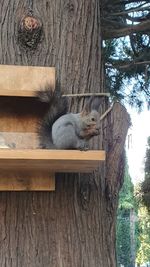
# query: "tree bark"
75 225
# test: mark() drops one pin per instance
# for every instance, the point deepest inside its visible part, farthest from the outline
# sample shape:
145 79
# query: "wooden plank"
23 81
14 179
43 154
20 114
20 140
50 160
26 181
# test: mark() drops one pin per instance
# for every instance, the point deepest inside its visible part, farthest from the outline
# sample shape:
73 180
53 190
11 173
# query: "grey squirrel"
62 130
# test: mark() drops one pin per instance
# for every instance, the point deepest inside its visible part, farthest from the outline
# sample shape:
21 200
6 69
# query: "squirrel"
62 130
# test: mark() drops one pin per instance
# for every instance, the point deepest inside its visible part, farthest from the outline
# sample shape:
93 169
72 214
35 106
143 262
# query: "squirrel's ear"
95 103
87 107
92 104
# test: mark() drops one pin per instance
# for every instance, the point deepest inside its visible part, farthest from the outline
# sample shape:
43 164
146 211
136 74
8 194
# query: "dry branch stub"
117 131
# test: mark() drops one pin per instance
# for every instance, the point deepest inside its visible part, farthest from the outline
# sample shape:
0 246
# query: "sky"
137 137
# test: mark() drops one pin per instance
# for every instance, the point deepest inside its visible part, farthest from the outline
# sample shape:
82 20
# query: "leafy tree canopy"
143 254
145 185
126 203
124 17
126 195
126 35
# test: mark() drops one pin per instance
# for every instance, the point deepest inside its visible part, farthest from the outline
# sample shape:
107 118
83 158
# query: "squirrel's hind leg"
65 137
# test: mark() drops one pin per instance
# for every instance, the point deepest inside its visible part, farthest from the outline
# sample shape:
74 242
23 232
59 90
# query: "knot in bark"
30 32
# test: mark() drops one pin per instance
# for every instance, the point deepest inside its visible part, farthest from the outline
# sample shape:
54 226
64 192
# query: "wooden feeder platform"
24 167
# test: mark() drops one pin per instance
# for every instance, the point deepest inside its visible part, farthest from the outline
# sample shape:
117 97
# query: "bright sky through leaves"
137 137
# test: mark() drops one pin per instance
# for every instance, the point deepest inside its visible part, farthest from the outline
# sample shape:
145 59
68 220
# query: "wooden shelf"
23 81
50 160
26 168
18 93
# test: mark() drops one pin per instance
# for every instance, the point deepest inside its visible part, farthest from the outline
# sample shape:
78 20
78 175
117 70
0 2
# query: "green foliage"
145 185
126 203
143 195
147 161
123 238
143 254
126 195
127 76
127 56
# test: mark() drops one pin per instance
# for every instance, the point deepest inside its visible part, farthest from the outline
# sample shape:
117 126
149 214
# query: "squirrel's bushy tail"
57 106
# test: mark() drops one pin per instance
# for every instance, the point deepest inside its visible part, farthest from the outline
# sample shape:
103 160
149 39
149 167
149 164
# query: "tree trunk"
75 225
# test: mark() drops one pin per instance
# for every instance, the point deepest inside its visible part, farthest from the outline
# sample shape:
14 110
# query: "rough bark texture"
75 225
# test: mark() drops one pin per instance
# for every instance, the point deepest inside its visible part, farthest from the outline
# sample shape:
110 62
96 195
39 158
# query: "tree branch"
127 65
130 10
109 33
132 64
146 92
133 45
137 19
125 2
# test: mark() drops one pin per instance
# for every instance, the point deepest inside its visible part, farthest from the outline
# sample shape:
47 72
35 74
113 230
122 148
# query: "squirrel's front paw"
97 131
84 147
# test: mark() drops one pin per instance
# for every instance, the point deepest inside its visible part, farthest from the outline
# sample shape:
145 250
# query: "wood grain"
19 117
24 80
50 160
15 180
20 114
20 140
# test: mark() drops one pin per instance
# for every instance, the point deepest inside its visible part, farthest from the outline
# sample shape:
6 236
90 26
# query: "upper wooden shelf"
23 81
50 160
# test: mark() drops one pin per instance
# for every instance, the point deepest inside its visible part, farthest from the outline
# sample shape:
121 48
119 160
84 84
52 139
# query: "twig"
87 94
105 113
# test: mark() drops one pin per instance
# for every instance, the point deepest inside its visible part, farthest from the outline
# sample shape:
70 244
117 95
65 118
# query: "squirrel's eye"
93 119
